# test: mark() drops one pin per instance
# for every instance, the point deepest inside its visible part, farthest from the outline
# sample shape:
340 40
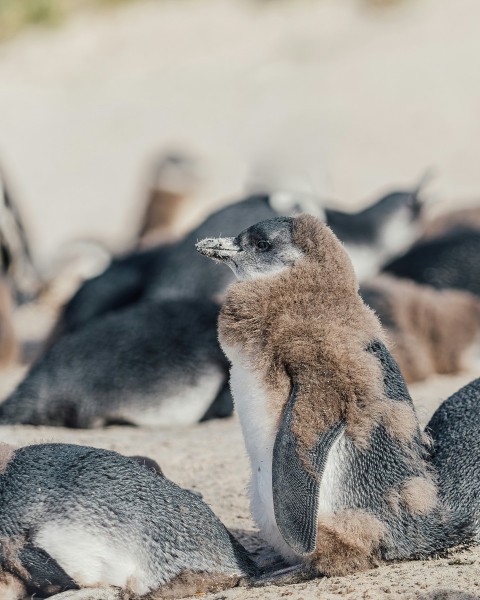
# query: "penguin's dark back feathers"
455 432
450 261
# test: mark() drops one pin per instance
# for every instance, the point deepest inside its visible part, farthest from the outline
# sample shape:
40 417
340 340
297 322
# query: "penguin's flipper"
286 576
39 572
296 481
394 385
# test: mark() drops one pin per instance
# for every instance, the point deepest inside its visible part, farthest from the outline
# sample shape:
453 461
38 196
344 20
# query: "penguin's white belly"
183 405
92 559
259 431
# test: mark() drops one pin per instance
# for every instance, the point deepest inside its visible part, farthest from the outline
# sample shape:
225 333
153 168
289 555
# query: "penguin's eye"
262 245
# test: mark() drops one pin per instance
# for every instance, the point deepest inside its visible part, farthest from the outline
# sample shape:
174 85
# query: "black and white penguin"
154 364
339 476
380 232
455 456
429 331
75 517
446 261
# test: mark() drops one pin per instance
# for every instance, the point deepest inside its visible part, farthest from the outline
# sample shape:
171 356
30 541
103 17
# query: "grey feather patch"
295 486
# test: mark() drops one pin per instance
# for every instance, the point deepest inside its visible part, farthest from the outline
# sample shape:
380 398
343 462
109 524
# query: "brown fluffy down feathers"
309 324
431 331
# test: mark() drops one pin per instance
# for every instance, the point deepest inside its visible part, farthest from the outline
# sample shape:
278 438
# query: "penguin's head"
263 249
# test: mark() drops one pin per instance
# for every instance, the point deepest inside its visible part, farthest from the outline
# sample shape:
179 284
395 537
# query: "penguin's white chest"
259 430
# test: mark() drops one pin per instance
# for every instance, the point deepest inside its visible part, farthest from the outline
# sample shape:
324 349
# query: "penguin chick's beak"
218 249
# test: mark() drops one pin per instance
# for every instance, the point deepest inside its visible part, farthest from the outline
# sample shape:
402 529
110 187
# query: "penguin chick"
339 478
430 331
455 434
154 364
78 517
380 232
175 178
448 261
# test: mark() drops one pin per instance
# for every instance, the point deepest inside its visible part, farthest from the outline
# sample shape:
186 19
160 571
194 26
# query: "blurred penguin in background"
463 219
173 182
447 261
154 364
429 331
16 261
380 232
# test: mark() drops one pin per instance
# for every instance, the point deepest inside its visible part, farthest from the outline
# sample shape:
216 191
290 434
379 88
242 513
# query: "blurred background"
351 96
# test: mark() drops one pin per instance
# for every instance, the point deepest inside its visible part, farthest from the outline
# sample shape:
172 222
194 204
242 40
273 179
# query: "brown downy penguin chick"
430 331
339 478
174 180
9 346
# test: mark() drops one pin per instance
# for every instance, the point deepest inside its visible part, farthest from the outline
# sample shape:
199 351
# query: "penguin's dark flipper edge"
40 572
296 481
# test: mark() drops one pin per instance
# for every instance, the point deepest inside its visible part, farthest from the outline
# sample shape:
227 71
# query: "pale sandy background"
350 98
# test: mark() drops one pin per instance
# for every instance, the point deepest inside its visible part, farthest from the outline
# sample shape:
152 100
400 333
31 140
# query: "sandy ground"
346 98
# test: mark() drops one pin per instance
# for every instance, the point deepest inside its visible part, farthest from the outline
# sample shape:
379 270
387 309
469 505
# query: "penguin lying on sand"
447 261
455 433
77 517
153 364
339 477
430 331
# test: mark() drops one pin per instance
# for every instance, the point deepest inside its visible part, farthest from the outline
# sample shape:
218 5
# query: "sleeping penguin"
455 455
154 364
75 517
430 331
340 482
447 261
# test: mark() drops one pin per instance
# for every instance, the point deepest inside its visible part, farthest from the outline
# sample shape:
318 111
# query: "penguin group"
312 333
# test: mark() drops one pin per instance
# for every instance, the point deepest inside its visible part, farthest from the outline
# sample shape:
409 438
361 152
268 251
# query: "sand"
348 98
